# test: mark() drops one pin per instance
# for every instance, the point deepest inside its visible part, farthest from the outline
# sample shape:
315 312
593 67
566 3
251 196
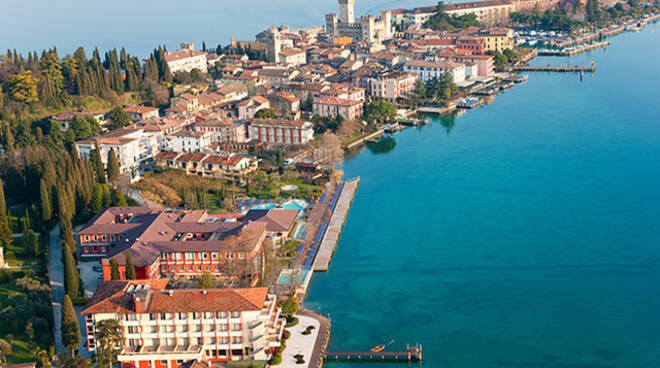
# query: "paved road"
56 276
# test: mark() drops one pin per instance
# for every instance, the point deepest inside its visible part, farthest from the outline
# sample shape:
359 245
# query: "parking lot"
89 277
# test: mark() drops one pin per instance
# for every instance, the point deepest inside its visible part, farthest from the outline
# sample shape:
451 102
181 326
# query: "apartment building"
207 165
164 242
163 328
223 130
333 107
186 59
125 142
496 39
279 131
189 141
391 85
138 113
427 70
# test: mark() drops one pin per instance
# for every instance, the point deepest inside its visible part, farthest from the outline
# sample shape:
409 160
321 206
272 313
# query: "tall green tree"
97 163
30 243
71 278
5 228
113 166
96 204
108 338
130 268
70 329
114 270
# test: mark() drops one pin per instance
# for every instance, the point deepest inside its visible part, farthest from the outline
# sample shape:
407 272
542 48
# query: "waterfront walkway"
331 236
314 354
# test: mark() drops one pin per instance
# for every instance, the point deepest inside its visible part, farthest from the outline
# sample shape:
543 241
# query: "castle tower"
331 24
346 11
273 45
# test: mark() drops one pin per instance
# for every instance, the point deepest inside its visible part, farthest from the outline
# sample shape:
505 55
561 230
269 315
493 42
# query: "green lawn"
15 256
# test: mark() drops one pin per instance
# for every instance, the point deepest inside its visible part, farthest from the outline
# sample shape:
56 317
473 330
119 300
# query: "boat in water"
378 348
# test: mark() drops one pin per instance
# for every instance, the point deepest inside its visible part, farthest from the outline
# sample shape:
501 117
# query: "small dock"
436 110
557 68
413 354
329 240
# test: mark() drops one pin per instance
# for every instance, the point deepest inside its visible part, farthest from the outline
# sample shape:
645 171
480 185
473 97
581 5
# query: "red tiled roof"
139 109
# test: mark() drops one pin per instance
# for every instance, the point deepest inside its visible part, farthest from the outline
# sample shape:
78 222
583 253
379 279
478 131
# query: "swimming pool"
296 204
285 277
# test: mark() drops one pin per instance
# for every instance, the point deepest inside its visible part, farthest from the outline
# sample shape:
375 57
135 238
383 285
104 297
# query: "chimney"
138 303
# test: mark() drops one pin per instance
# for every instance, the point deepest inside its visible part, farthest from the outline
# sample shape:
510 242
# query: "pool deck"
331 235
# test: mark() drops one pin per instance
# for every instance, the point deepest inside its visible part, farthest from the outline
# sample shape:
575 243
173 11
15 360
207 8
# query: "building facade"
186 59
333 107
280 131
427 70
165 328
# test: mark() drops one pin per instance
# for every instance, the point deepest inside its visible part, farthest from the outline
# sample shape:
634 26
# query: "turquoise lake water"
525 233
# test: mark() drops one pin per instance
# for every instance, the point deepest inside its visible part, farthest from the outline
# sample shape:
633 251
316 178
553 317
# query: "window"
208 268
199 268
189 268
235 327
182 315
221 315
236 340
197 315
205 255
133 329
163 362
153 316
235 314
189 255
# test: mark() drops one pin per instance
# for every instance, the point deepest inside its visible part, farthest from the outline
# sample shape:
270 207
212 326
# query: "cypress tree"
106 197
71 281
5 228
114 270
70 329
113 166
98 165
130 268
96 204
118 199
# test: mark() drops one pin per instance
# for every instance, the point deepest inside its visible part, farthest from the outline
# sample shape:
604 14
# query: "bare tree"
330 151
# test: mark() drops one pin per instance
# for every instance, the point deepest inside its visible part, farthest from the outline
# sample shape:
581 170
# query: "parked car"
98 268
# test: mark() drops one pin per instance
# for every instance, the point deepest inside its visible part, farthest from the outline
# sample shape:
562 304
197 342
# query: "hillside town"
262 125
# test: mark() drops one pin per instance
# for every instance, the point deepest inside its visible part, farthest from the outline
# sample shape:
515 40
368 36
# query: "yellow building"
496 39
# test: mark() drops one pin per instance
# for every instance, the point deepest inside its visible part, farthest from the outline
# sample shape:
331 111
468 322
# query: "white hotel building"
164 328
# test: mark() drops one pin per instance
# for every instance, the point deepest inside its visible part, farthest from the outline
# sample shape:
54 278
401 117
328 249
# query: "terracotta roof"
167 155
224 160
433 64
277 219
208 300
190 157
139 109
182 54
111 297
279 122
335 101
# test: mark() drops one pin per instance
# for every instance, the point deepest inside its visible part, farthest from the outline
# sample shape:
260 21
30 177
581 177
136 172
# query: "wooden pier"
556 68
436 110
327 246
413 354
